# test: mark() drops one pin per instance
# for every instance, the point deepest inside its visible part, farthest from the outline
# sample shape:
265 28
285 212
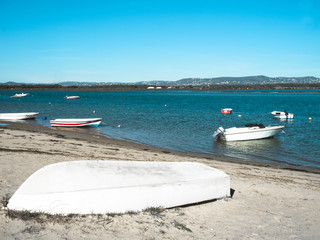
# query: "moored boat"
76 122
282 115
71 97
250 132
17 95
18 116
226 111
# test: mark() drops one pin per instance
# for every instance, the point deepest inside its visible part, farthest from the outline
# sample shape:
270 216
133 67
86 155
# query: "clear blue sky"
128 41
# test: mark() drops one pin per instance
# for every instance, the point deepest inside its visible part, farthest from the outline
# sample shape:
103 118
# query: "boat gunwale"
253 129
84 122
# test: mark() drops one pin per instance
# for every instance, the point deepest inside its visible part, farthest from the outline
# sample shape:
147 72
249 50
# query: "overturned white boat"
76 122
282 115
252 131
97 186
18 116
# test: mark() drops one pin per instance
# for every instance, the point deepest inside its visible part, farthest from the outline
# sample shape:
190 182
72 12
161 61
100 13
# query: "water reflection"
32 121
284 119
91 130
245 148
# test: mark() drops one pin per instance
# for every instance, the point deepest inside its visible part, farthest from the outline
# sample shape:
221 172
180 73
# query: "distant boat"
76 122
226 111
18 116
250 132
282 115
99 186
18 95
71 97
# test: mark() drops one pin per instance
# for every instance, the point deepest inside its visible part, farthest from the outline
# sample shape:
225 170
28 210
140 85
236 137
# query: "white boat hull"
72 97
18 116
249 133
19 95
89 186
76 122
226 111
282 115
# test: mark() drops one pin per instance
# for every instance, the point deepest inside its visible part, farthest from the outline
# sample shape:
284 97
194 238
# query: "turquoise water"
185 121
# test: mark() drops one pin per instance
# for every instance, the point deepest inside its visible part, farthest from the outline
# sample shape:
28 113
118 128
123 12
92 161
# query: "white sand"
268 203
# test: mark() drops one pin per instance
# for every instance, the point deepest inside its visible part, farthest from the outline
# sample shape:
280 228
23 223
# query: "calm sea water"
185 121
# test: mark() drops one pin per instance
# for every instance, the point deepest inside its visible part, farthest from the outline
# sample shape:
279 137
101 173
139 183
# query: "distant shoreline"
289 88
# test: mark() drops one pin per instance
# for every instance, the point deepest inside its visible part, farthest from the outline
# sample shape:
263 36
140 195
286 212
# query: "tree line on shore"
124 87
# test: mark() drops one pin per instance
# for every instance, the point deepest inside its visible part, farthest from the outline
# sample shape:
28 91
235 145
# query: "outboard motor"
218 133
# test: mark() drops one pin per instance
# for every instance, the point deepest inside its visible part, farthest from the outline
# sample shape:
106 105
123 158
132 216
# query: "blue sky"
130 41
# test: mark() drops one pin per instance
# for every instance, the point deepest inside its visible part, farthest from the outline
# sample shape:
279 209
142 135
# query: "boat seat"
260 125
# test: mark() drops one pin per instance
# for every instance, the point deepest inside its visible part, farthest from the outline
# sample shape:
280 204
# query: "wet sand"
269 202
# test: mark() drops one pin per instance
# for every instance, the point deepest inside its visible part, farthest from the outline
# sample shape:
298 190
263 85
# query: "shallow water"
185 121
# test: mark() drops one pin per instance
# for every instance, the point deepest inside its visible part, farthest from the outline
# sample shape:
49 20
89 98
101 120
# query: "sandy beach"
269 202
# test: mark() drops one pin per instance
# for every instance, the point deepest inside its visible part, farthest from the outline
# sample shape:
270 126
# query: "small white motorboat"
99 187
18 95
76 122
282 115
252 131
71 97
18 116
226 111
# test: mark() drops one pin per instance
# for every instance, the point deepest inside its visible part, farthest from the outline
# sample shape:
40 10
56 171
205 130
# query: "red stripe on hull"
74 124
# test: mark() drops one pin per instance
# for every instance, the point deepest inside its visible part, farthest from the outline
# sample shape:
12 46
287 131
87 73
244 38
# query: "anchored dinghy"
90 186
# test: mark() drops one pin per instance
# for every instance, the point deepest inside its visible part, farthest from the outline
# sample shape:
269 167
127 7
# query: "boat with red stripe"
226 111
76 122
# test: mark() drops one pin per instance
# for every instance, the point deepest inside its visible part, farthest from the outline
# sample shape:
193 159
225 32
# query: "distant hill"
249 80
11 83
73 83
